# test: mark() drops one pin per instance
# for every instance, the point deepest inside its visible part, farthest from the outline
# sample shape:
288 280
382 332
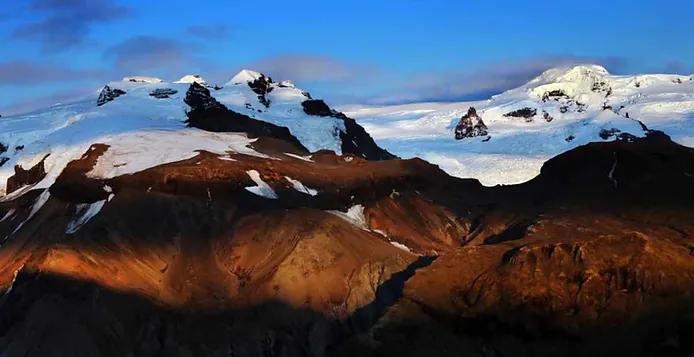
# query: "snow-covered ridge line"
150 111
559 110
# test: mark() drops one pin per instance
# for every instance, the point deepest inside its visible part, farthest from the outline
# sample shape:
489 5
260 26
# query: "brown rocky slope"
594 256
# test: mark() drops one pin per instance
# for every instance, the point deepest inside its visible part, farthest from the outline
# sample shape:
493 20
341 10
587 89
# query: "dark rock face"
163 93
208 114
199 98
23 177
548 118
470 126
527 113
3 159
608 133
261 87
555 95
108 94
317 107
355 139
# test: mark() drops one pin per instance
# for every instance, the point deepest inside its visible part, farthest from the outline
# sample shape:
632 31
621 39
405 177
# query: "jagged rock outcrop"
24 177
208 114
163 93
355 139
108 94
526 113
261 87
470 125
198 97
317 107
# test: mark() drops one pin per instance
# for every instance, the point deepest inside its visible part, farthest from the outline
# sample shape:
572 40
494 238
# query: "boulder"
470 125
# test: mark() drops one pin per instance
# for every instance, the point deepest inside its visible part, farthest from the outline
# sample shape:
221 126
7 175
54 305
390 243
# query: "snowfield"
144 131
579 102
561 109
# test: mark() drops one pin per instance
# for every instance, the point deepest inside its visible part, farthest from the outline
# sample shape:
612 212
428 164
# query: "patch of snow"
83 214
7 215
108 189
301 187
304 158
14 279
379 232
141 150
226 158
354 215
262 189
349 158
400 246
38 204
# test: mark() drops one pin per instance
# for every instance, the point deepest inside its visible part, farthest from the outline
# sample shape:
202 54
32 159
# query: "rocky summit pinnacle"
470 125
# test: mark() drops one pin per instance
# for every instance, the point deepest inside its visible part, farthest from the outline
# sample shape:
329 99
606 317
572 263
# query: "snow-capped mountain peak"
131 114
574 74
561 109
245 76
192 78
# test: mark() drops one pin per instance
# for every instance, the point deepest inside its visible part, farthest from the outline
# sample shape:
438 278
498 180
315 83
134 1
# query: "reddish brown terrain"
593 257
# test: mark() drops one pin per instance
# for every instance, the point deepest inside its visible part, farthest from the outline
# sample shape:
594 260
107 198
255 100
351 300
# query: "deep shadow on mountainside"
594 257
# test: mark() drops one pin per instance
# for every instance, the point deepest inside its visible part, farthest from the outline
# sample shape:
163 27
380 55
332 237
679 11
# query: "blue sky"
347 52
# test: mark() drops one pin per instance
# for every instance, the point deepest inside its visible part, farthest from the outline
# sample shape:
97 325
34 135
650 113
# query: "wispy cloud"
66 24
309 67
149 53
24 73
209 32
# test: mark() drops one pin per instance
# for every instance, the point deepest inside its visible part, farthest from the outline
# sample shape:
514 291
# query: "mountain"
142 119
561 109
183 219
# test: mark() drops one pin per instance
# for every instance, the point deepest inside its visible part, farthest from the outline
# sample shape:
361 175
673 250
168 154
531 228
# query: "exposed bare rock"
355 139
261 87
470 125
555 95
163 93
526 113
317 107
108 94
24 177
208 114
